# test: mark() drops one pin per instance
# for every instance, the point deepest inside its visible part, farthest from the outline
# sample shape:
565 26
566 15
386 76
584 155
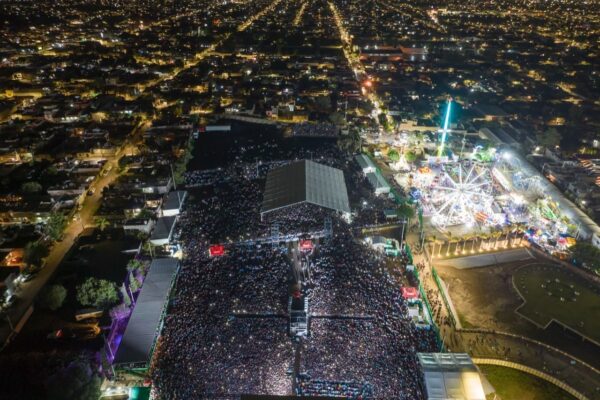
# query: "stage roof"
143 326
305 181
451 376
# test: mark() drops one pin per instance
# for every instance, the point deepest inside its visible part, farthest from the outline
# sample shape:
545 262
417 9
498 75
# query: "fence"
442 290
438 335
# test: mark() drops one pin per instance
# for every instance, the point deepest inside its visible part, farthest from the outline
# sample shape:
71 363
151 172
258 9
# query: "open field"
516 385
553 293
485 298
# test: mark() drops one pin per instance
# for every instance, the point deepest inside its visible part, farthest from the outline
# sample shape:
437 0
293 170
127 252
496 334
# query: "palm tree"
475 237
520 229
496 235
448 243
467 238
431 241
508 232
484 237
461 243
102 223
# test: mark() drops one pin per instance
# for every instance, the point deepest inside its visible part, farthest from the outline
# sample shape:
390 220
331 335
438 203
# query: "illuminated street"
361 199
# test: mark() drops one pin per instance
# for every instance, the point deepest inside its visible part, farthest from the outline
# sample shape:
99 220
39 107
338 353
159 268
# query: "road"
84 218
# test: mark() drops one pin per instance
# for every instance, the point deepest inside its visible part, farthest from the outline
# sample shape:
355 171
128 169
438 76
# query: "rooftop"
305 181
143 326
451 376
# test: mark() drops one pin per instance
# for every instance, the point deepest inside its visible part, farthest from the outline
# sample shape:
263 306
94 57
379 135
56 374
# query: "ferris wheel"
463 195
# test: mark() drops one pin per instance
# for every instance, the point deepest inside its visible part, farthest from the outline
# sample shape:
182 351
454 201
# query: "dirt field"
485 298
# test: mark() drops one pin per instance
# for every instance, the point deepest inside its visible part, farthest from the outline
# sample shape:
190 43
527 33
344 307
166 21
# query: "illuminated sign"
216 250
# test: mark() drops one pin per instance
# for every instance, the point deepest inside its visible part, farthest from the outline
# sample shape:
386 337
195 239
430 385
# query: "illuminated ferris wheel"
463 195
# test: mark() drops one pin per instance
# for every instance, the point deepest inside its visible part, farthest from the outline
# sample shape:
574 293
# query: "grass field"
553 292
511 384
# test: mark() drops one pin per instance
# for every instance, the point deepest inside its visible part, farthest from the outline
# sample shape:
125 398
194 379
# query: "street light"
78 218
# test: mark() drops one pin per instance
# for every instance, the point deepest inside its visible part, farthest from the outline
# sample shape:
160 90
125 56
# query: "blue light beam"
445 130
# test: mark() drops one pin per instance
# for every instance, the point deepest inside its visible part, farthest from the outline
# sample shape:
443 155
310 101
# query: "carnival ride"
463 195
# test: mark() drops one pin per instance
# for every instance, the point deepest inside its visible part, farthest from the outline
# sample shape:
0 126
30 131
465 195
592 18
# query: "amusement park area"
465 189
496 246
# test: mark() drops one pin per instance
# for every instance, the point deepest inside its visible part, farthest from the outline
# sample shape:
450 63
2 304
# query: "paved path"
484 260
85 217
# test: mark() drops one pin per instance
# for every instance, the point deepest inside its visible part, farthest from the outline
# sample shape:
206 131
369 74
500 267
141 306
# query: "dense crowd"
315 130
353 390
229 211
370 352
368 329
226 331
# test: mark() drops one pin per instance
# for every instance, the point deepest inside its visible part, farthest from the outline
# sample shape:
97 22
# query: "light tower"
445 129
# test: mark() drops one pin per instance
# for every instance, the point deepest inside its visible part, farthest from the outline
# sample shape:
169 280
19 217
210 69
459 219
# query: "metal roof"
377 181
305 181
143 326
175 200
364 161
451 376
163 228
587 225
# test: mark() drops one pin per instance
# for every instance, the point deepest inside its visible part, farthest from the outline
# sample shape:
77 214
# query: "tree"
350 143
588 254
52 297
98 293
51 171
31 187
77 381
323 103
550 138
148 247
55 225
33 253
393 155
102 223
181 164
134 265
337 118
405 211
410 157
145 214
134 283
